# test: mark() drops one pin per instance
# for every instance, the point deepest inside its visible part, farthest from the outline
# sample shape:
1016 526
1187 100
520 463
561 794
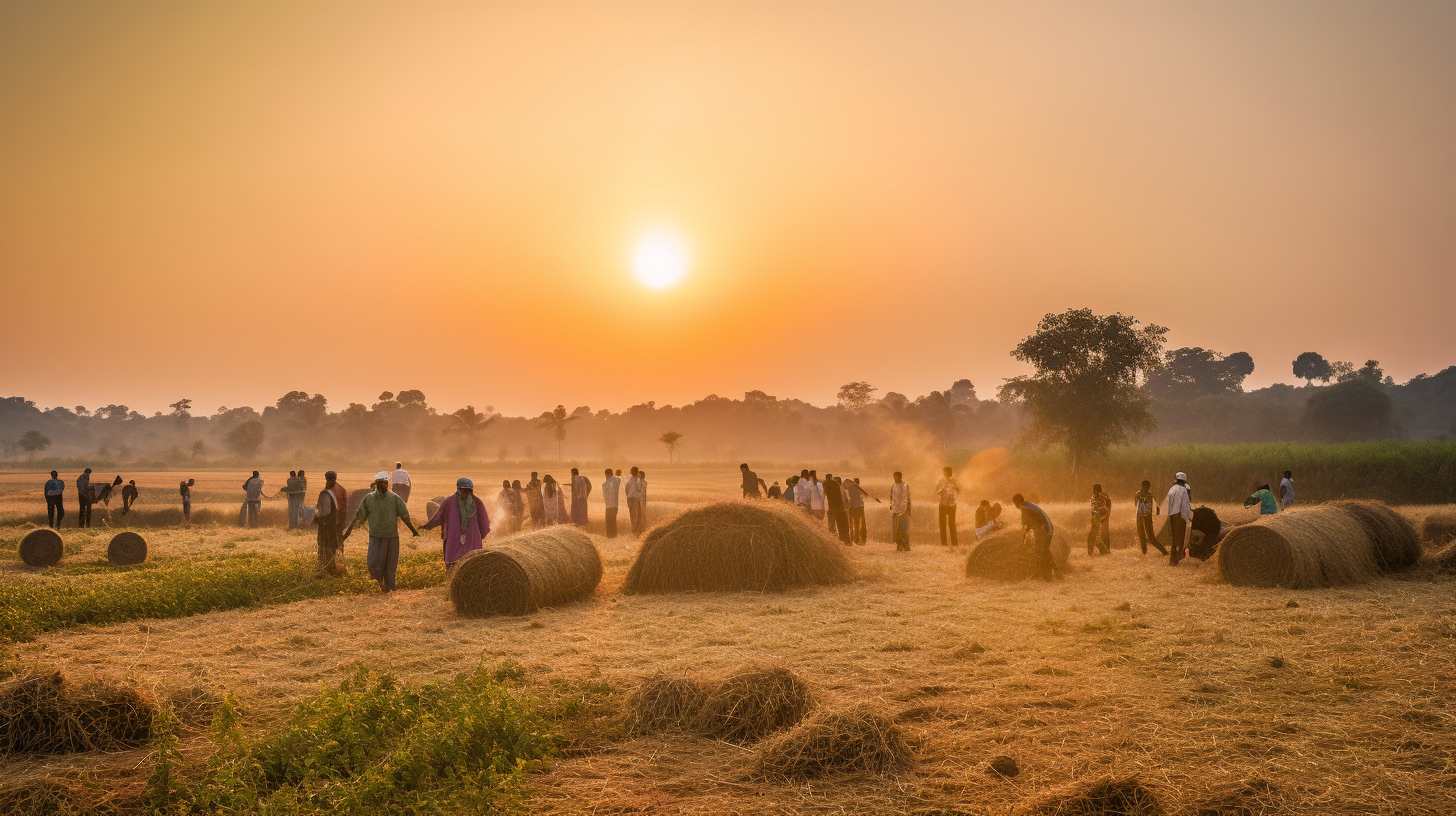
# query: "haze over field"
230 201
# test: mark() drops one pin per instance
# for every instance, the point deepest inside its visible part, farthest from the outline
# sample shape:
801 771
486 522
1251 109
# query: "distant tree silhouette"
245 439
33 442
1310 366
1357 408
856 394
555 421
471 424
182 408
1195 372
1370 372
670 439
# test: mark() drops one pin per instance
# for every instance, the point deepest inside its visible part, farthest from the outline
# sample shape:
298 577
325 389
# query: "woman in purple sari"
462 521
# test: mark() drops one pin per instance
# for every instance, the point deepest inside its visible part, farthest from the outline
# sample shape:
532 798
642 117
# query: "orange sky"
230 200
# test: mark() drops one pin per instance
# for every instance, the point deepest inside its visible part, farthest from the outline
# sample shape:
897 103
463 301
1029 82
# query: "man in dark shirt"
834 503
128 496
83 499
752 485
1037 525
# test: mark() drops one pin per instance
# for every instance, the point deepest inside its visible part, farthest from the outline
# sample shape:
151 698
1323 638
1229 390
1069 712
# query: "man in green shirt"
383 511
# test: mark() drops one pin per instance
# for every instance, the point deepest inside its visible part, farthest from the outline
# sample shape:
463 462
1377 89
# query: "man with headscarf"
328 516
581 488
383 511
462 520
1180 512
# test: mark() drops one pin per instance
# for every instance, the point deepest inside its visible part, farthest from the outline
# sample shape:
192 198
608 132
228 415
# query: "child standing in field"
1147 506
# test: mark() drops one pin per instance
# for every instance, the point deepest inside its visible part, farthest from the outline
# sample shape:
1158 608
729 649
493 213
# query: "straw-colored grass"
735 546
46 713
665 702
1438 529
1314 547
526 572
751 704
855 740
1106 797
126 549
1009 556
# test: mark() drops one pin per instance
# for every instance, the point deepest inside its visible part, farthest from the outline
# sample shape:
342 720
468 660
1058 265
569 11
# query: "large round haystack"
1396 545
1439 528
47 714
1009 556
1109 797
526 572
1206 521
853 740
752 704
732 546
126 548
41 548
665 702
1319 546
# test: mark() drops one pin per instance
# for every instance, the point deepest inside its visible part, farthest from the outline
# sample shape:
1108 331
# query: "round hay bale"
526 572
41 548
737 546
1008 556
126 548
853 740
1108 797
1438 529
1314 547
1206 521
1397 546
753 703
432 506
46 714
664 702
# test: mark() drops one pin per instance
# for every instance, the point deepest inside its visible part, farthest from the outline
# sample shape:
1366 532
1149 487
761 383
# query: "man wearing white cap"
1180 513
383 511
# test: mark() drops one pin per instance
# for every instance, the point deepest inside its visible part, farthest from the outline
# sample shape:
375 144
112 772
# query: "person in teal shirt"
1264 497
383 511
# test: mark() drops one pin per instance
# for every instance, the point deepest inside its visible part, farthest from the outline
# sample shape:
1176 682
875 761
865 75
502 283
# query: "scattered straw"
853 740
47 714
752 704
526 572
1108 797
665 702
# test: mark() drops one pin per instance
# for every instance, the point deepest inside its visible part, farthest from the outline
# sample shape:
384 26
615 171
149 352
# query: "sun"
660 259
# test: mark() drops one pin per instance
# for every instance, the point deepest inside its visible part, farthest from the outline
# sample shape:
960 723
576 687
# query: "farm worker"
552 498
129 496
633 490
803 491
83 499
536 502
294 492
328 515
611 492
1147 506
948 492
504 500
834 507
1101 507
753 487
184 489
854 497
252 499
1286 490
55 491
1037 525
987 518
642 497
399 481
581 488
462 521
774 491
518 505
900 512
1180 513
1264 497
383 511
817 500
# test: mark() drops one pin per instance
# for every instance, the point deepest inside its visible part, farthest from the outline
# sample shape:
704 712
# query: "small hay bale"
753 703
1108 797
1438 529
1396 545
526 572
848 741
46 714
737 546
1008 556
1315 547
663 703
126 548
41 548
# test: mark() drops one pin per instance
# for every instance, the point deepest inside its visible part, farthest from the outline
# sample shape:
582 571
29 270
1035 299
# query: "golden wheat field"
1332 701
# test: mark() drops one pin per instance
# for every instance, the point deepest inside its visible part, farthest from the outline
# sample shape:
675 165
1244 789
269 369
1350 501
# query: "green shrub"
370 746
74 596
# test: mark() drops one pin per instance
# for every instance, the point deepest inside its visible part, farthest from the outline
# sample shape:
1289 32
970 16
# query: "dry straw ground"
1321 701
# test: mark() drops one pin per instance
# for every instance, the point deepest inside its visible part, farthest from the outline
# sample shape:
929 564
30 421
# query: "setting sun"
660 259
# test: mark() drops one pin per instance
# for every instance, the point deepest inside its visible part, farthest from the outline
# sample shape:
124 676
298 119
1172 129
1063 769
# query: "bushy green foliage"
370 746
80 594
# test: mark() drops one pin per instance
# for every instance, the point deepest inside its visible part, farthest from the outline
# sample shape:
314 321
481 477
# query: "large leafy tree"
245 439
1358 408
1084 390
670 439
1311 365
33 442
856 395
1196 372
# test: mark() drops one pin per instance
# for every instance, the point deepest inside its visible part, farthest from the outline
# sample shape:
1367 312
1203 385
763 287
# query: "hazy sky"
227 200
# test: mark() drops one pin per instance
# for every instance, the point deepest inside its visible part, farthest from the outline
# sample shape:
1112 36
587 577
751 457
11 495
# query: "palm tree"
556 420
471 423
670 439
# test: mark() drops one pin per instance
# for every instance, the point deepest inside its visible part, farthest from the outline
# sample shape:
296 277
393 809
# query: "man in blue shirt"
1036 524
55 490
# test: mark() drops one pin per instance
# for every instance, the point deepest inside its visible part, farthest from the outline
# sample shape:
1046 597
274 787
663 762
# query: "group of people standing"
543 501
838 501
87 496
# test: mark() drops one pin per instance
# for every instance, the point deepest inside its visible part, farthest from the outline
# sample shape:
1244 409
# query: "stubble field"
1320 701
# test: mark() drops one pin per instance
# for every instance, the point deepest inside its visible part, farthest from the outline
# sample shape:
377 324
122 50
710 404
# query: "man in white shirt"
816 495
399 482
1180 513
634 491
803 491
900 513
611 487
